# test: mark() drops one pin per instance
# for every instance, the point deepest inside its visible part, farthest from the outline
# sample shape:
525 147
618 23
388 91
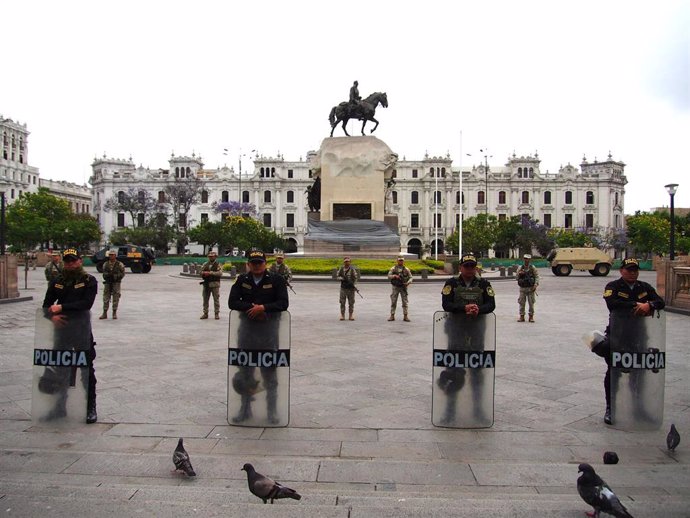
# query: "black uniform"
464 332
271 292
621 298
76 297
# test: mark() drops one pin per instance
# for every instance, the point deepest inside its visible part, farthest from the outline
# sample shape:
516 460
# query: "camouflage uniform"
53 270
211 285
528 280
283 270
399 287
113 273
348 277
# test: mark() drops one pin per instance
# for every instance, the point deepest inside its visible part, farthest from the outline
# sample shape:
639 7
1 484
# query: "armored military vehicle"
138 258
564 260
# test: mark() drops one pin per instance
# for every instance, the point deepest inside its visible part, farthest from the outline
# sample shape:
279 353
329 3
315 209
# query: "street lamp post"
672 188
239 197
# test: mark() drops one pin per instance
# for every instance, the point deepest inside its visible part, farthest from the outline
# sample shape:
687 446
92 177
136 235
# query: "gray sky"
144 78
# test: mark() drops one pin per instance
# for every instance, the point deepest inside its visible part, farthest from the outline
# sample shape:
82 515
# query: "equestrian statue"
357 108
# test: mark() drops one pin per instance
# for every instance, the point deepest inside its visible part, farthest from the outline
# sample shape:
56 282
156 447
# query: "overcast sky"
145 78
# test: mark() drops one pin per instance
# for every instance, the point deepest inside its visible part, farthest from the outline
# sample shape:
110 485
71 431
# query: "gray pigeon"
673 438
266 488
598 494
181 460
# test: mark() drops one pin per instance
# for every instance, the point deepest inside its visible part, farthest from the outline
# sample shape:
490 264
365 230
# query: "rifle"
290 286
358 293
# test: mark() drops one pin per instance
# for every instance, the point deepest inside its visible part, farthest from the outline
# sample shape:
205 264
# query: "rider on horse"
354 95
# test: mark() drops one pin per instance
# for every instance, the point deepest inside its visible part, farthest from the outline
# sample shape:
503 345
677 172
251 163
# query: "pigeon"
266 488
673 438
598 494
181 460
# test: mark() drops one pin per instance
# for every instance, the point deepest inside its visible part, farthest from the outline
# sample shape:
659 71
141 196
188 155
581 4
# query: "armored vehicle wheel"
554 269
602 269
99 267
564 269
147 268
136 268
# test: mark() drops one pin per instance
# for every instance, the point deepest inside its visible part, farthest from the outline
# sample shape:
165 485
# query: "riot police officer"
468 293
258 294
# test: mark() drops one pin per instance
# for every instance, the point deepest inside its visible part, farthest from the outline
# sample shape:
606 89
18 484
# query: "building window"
589 198
224 197
120 219
414 198
481 198
524 197
519 172
457 197
616 221
437 197
291 174
414 220
502 217
547 220
394 195
204 217
437 220
267 220
182 219
547 197
415 173
615 198
140 219
120 196
291 196
290 220
589 220
245 196
568 221
204 196
161 196
394 174
267 199
568 197
501 197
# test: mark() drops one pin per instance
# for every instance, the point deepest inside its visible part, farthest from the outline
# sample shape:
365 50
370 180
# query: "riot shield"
464 361
61 368
638 370
259 370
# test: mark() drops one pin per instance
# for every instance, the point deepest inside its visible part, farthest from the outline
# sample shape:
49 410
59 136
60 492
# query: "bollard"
185 268
425 274
502 271
493 267
233 272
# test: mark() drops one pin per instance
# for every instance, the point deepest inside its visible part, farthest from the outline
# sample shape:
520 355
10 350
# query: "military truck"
138 258
563 260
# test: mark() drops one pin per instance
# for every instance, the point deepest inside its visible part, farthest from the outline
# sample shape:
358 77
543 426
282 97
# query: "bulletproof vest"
469 295
526 277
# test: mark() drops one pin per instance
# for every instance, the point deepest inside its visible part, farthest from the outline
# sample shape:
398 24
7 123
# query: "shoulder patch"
447 289
80 285
58 286
490 291
608 293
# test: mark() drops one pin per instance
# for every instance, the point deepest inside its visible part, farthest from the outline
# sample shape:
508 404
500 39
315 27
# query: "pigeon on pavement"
598 494
673 438
181 460
266 488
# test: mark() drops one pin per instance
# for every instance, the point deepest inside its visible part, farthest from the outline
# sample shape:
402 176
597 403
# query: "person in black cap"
67 304
258 294
625 295
467 293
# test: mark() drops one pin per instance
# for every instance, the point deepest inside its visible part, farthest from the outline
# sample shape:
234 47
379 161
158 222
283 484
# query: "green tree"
81 231
181 196
649 233
133 201
570 238
208 234
507 232
479 234
245 233
37 219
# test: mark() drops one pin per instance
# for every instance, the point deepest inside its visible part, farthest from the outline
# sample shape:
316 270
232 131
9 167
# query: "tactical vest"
469 295
526 278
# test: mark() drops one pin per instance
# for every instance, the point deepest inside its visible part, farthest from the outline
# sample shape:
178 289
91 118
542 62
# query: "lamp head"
671 188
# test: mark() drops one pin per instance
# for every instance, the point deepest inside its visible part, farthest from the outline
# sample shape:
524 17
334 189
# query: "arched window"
431 170
189 172
531 172
291 197
224 197
177 172
443 172
481 198
273 172
245 196
525 196
519 172
501 197
161 196
589 198
547 197
204 196
141 197
262 173
120 196
267 196
568 197
414 198
463 198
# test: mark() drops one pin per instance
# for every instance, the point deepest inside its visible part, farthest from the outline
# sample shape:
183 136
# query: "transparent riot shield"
638 370
61 368
464 361
259 370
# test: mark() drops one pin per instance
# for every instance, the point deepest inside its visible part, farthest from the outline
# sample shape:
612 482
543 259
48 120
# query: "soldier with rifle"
211 272
400 277
282 269
348 277
113 273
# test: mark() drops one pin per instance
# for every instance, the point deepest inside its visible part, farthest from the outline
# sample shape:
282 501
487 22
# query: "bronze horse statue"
364 110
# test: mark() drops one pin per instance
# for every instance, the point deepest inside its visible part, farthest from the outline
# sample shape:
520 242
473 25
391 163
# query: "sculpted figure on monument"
314 195
356 108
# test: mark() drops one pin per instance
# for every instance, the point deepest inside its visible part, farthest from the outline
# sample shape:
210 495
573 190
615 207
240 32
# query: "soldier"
348 276
67 304
54 267
528 280
257 294
211 272
400 277
113 273
282 269
626 295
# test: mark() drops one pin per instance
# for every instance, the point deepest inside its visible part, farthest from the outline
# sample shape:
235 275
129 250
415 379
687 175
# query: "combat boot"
217 316
391 318
531 318
521 319
114 315
91 416
352 316
607 415
342 316
103 316
406 318
204 316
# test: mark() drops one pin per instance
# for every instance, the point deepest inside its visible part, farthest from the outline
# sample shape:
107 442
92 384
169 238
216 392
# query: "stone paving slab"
398 472
159 430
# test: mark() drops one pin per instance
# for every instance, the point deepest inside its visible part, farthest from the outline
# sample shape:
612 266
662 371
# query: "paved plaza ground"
360 441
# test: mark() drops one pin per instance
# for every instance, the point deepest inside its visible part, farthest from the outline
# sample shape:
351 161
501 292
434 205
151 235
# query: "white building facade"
16 175
426 196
